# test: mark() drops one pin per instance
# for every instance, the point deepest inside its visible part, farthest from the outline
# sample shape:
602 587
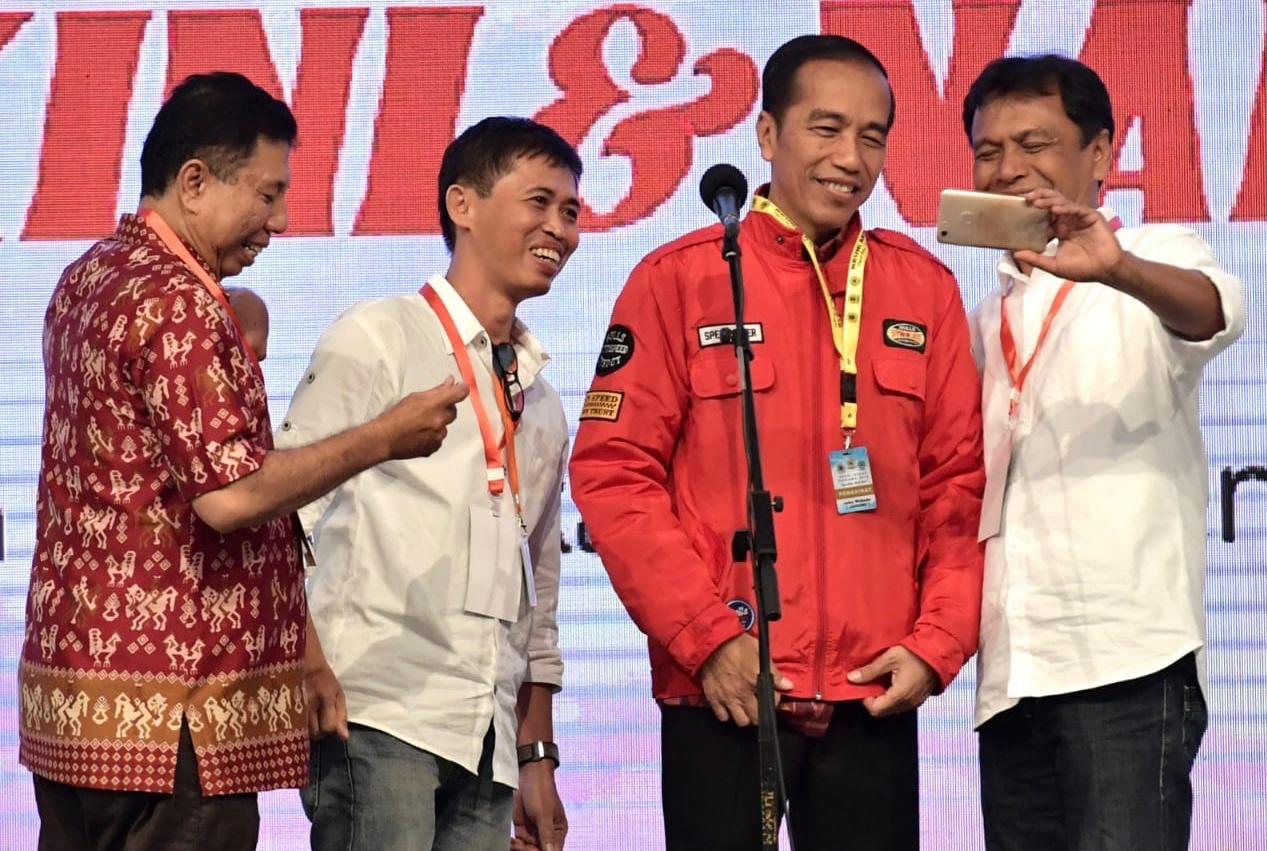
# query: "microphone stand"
756 543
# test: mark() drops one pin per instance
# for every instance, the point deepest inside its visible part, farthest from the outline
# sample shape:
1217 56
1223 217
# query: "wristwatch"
537 751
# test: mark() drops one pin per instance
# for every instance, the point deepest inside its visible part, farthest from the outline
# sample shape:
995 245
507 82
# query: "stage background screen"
652 93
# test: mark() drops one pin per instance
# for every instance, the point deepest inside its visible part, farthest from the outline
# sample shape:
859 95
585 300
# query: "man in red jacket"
867 407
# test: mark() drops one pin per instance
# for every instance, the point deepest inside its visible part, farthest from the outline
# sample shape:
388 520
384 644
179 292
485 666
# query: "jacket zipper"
820 561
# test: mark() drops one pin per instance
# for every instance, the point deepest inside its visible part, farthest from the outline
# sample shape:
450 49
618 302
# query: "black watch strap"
537 751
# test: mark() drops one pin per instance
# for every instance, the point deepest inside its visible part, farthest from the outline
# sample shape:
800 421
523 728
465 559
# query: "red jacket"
658 470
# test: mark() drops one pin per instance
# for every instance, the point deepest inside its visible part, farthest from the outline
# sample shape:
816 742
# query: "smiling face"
1025 142
523 231
234 219
827 150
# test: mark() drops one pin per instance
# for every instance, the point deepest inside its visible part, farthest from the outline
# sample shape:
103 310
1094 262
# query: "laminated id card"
851 478
998 460
530 581
494 577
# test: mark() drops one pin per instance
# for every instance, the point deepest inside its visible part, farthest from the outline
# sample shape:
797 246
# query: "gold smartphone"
988 220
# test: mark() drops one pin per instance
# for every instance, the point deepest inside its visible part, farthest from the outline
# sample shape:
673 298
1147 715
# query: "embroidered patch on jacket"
905 335
716 335
602 405
747 617
618 349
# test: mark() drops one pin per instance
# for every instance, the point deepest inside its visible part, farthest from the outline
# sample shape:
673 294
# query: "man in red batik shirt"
161 675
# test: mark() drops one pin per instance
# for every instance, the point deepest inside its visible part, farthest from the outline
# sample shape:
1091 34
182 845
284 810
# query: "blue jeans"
1106 769
376 793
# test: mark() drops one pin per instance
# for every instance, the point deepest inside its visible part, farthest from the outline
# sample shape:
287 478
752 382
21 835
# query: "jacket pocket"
715 374
900 375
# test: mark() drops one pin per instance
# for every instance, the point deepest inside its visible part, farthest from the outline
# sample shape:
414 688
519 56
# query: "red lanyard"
497 473
1015 371
168 237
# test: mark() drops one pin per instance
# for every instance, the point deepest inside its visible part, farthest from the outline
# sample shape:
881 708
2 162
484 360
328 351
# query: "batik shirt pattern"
141 616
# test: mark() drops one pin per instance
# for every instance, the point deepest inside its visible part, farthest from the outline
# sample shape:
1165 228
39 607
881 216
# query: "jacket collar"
776 234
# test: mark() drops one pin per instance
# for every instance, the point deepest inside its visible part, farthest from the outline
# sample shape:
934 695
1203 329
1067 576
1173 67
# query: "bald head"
252 316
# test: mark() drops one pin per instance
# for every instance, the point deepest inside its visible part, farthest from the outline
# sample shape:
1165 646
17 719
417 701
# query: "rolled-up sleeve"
1184 249
545 662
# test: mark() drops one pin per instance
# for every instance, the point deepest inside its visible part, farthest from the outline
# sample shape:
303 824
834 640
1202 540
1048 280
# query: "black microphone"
724 188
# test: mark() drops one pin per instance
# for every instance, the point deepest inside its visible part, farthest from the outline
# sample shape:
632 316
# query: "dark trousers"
76 819
1105 769
855 787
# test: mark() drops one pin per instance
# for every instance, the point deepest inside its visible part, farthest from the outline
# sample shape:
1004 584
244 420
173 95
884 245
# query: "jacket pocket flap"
716 374
900 375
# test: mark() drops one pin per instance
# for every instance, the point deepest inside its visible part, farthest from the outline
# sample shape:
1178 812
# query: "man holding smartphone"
1089 705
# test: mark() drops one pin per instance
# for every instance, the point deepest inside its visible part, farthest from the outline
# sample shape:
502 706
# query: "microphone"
723 189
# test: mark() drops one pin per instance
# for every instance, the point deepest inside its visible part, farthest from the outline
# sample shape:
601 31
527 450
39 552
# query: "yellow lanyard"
844 330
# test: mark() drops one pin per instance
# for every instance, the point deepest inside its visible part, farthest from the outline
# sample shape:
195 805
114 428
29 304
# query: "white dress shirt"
1097 571
392 544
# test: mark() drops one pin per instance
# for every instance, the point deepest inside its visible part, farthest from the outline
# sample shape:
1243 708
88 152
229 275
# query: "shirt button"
779 240
732 380
312 376
286 425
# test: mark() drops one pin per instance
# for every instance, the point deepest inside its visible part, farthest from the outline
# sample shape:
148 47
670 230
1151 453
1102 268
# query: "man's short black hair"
487 150
1082 92
217 118
778 80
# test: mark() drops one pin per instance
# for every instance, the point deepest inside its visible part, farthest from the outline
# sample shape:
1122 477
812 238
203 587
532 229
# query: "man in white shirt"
436 583
1089 705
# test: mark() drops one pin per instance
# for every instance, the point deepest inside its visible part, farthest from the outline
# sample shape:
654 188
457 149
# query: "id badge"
530 583
493 583
851 478
997 463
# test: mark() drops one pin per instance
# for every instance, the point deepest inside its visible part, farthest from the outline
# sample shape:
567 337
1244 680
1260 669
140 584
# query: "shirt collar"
132 230
531 355
468 327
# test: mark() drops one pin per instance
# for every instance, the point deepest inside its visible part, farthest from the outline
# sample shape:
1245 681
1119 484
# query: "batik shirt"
141 616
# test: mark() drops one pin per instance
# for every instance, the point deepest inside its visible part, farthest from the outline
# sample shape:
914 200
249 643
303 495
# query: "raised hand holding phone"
1087 249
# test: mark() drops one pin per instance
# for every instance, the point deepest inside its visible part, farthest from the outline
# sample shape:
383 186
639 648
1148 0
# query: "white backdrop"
653 93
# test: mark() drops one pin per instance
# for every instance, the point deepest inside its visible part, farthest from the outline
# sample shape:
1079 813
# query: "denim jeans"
376 793
1106 769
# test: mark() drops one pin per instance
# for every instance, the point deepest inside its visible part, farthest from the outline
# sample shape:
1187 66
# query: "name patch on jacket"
716 335
602 405
618 349
905 335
